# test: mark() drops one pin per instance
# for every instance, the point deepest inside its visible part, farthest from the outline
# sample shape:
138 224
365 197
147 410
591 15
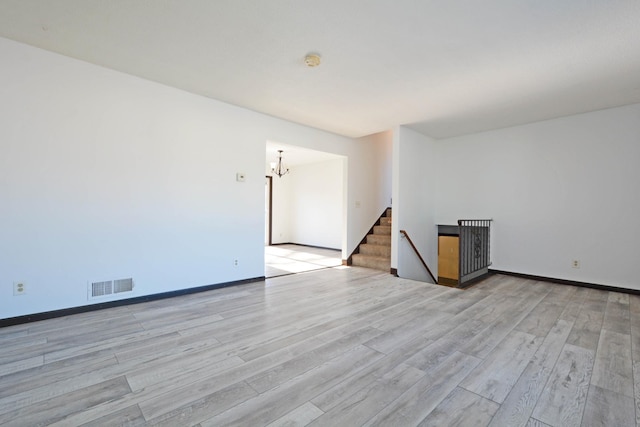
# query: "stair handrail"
419 256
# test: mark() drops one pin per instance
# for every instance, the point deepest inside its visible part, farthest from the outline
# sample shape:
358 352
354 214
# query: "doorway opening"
305 209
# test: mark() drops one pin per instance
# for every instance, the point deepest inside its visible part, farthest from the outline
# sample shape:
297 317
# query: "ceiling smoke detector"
312 60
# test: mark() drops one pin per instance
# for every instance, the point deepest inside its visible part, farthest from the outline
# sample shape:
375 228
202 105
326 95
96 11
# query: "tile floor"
281 260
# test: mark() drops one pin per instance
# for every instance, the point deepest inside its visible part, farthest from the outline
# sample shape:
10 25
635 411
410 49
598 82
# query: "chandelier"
279 168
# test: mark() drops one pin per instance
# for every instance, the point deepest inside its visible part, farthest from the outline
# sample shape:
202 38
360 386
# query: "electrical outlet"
235 262
19 288
575 263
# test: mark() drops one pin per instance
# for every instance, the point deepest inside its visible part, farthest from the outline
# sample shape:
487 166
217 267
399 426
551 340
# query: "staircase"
375 251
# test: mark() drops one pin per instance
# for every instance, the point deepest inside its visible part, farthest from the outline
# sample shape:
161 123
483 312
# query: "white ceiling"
294 155
444 68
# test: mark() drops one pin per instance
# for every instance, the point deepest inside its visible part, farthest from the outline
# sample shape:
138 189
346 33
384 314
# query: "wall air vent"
122 285
109 287
99 289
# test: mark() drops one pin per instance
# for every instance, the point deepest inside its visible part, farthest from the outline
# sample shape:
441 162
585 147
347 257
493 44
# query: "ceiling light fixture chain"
279 169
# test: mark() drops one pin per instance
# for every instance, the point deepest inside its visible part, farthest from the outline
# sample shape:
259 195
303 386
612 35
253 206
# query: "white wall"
370 193
104 175
317 198
414 204
558 190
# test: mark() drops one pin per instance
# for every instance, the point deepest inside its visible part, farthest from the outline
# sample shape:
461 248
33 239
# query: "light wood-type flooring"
280 260
336 347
